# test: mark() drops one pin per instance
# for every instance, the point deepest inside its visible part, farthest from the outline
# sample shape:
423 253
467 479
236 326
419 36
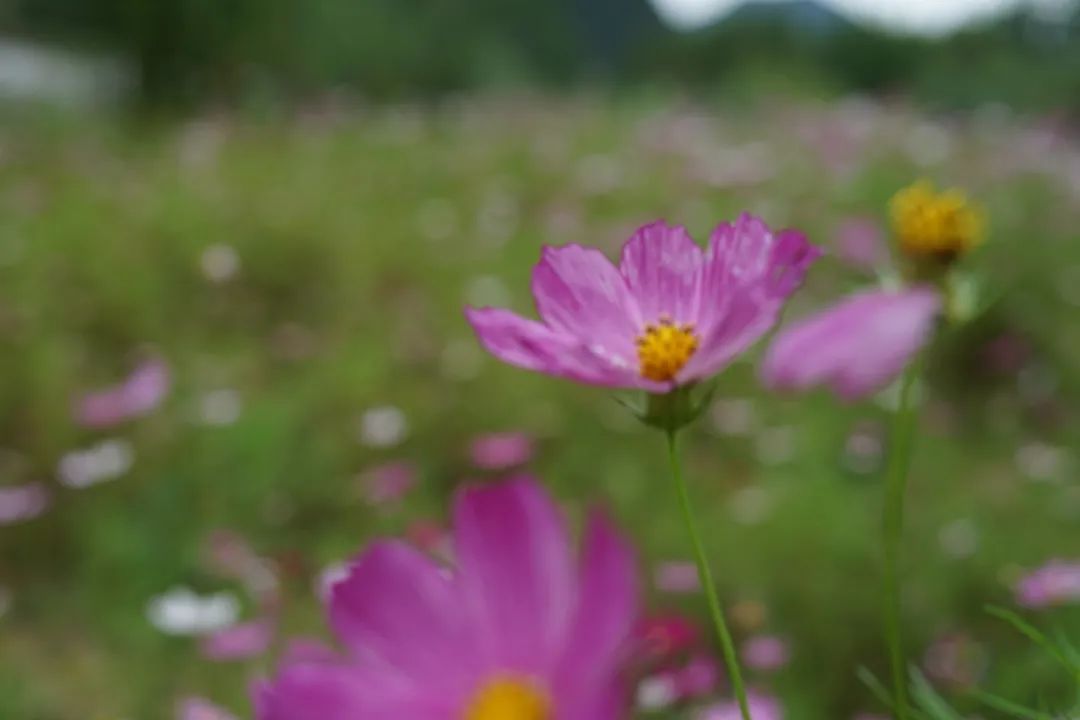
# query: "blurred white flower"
383 426
107 460
928 144
220 263
676 577
656 693
733 416
182 612
220 407
959 539
196 708
864 449
1041 462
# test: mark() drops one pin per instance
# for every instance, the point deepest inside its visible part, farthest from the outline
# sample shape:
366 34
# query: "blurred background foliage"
197 51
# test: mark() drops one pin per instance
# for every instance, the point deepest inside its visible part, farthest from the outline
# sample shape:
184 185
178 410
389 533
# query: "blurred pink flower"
196 708
431 537
856 347
239 642
670 314
762 707
662 636
860 242
138 395
676 577
23 502
501 451
388 483
229 554
517 629
1055 583
955 659
766 652
698 677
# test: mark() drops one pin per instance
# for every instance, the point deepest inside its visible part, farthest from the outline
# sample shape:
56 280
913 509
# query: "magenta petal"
607 613
533 346
662 267
139 394
856 347
398 608
321 691
749 273
580 293
515 573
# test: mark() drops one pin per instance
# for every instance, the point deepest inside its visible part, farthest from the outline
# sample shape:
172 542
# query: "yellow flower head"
941 225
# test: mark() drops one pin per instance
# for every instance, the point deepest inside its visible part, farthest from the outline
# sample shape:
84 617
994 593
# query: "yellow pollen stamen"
928 223
664 348
510 697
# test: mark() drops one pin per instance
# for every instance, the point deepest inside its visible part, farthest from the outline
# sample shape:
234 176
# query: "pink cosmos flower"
1055 583
856 347
501 451
515 631
139 394
669 314
766 652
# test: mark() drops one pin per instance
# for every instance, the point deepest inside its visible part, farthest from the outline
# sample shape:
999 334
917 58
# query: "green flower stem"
900 443
731 659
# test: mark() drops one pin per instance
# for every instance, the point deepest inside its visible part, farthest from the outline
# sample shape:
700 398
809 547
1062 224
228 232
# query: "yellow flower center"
944 225
510 697
664 348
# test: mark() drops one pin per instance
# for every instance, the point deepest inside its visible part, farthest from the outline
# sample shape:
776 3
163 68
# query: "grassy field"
295 274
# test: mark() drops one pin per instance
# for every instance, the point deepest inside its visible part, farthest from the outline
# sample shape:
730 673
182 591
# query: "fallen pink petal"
856 347
136 396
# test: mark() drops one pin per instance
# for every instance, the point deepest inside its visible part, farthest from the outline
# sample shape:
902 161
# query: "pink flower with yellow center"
517 631
668 315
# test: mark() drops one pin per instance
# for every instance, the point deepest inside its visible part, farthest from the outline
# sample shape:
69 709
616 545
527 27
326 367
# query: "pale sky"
921 16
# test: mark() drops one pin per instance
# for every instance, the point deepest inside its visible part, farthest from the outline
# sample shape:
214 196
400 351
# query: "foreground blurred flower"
670 313
936 226
1056 583
501 451
856 347
22 502
762 707
138 395
513 633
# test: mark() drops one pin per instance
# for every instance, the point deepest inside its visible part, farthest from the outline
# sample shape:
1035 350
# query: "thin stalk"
901 436
731 658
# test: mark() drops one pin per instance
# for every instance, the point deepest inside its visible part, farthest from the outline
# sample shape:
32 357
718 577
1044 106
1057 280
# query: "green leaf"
1036 636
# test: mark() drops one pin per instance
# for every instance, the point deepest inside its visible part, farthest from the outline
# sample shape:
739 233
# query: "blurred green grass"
362 234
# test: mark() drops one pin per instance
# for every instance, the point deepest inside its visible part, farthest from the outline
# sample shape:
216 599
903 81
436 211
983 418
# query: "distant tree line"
191 51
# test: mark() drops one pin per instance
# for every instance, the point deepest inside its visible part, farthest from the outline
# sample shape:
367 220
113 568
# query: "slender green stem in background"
731 659
900 442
